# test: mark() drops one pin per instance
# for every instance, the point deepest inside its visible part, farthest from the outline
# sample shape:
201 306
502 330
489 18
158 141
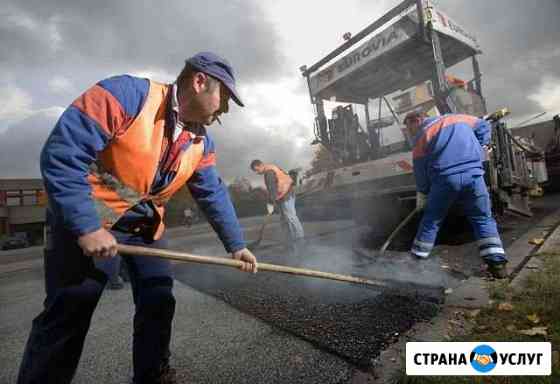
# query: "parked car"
14 243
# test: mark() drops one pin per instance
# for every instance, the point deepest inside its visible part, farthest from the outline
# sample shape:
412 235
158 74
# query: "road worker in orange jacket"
114 158
281 194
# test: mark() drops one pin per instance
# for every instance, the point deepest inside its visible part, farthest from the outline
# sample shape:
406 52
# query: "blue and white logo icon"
483 358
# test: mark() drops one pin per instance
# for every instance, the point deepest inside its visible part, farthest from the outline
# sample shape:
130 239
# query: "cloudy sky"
52 50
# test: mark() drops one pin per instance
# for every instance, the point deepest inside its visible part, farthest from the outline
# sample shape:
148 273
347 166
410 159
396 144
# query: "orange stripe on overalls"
420 147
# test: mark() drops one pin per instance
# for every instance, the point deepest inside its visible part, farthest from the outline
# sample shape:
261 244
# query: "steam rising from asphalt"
341 250
352 249
396 267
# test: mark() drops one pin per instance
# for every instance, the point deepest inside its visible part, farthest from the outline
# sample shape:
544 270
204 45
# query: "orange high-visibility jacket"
126 168
112 159
124 171
283 181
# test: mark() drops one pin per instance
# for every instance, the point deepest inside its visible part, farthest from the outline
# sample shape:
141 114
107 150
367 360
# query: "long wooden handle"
394 233
187 257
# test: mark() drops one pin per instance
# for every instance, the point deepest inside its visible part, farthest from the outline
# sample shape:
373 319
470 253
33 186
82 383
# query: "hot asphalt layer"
350 321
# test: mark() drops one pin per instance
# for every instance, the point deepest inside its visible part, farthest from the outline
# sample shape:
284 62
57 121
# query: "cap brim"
234 95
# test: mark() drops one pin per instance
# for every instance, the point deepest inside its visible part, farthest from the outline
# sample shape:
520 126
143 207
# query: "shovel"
401 288
253 245
397 230
187 257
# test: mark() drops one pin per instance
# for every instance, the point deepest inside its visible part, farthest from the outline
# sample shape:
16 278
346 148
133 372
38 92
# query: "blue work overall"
468 189
74 284
447 156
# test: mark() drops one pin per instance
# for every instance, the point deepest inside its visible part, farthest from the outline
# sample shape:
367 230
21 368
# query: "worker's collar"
423 127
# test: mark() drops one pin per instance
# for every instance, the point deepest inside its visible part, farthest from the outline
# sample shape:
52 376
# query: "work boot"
498 270
116 283
415 257
167 375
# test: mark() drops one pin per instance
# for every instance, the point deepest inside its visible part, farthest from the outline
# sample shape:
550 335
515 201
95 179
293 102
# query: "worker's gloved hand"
421 199
249 260
270 208
100 243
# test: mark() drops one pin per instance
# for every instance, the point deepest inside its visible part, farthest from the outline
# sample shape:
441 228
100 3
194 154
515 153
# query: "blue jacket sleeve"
65 158
211 195
83 130
421 174
483 131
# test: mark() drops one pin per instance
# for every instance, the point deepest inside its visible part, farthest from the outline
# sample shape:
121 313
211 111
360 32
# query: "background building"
22 209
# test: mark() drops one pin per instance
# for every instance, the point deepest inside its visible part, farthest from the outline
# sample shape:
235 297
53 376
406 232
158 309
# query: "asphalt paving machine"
398 64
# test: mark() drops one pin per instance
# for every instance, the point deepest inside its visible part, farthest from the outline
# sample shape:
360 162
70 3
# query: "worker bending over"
113 160
281 193
447 153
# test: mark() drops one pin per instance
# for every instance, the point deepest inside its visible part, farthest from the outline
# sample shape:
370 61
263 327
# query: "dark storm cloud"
85 41
136 34
520 43
21 143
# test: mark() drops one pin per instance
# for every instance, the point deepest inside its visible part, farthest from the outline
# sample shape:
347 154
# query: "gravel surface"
350 321
353 331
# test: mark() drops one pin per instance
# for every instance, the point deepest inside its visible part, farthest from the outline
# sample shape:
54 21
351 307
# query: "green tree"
248 201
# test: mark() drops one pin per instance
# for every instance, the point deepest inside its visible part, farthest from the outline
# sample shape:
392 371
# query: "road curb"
473 293
551 244
552 241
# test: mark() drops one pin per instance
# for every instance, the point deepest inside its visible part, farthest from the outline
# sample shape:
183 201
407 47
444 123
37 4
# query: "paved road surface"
233 327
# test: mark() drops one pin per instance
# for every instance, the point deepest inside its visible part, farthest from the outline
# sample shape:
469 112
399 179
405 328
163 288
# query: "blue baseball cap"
219 68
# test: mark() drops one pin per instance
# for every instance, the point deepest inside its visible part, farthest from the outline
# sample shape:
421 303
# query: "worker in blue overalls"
447 154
